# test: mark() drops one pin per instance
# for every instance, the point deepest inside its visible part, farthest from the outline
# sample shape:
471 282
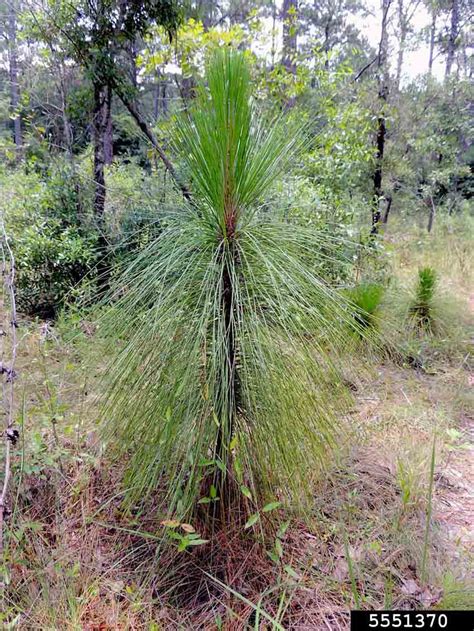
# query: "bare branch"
8 371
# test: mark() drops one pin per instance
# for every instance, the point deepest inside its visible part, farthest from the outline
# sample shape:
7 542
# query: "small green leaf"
278 548
205 500
197 542
252 520
221 466
206 463
233 443
271 506
290 571
213 492
273 556
282 529
246 491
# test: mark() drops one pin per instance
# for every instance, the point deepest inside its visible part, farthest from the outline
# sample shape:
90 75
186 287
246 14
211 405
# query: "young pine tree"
222 336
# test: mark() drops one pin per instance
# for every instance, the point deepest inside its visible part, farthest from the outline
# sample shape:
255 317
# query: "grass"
78 559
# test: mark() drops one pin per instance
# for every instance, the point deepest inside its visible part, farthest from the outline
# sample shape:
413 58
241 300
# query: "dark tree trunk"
387 209
148 132
156 98
453 34
188 90
99 131
99 121
13 72
108 127
229 388
160 97
326 45
164 97
381 122
289 16
431 216
378 173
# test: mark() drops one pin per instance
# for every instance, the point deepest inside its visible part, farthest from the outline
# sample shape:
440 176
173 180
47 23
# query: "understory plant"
224 381
366 299
422 308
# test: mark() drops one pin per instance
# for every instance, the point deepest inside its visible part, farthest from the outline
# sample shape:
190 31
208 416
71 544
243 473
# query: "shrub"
51 260
52 237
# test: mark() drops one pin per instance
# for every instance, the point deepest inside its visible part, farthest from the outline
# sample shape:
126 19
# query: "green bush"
51 260
52 237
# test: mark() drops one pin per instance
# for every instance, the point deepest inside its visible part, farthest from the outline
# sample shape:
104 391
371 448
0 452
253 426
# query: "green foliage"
366 299
51 260
53 243
221 337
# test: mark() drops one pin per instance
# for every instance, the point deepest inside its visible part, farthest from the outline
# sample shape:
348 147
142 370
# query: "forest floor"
76 561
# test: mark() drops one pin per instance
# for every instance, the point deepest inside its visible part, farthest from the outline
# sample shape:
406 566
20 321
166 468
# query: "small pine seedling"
421 309
365 301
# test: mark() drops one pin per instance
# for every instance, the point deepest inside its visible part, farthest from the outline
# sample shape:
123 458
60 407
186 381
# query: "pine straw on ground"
88 567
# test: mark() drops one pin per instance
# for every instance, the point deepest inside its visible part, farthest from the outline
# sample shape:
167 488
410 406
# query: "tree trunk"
387 209
14 84
381 123
67 130
148 132
403 26
188 90
289 16
108 127
431 216
432 41
99 121
378 173
453 34
156 98
274 18
326 45
229 390
164 97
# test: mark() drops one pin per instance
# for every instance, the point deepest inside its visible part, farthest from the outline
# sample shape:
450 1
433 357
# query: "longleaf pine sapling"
224 341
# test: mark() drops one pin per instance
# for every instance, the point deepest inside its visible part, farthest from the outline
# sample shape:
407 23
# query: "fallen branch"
8 372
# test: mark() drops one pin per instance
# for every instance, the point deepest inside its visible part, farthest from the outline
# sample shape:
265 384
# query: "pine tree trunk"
453 33
14 84
381 122
108 126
